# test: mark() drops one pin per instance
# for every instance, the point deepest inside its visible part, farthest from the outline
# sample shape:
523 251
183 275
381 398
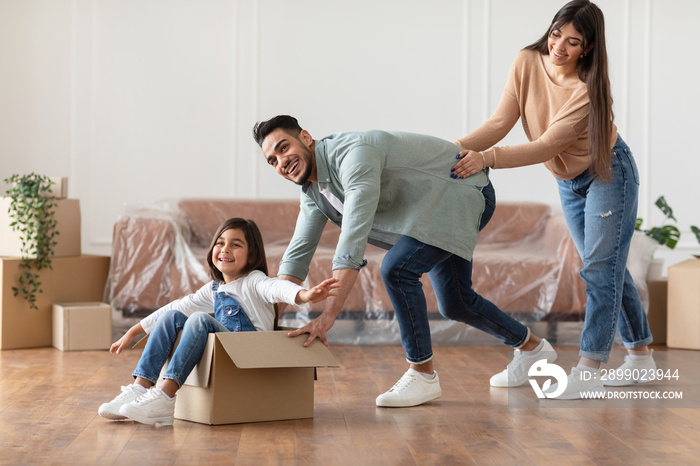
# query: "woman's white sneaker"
412 389
515 373
129 393
632 372
580 384
151 408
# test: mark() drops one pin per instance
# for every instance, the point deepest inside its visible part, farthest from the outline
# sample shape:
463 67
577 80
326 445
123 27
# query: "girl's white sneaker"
151 408
129 393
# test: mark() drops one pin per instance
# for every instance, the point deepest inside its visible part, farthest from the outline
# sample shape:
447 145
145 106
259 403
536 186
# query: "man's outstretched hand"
317 328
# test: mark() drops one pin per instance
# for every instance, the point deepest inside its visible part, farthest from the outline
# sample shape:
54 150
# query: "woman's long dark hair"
588 20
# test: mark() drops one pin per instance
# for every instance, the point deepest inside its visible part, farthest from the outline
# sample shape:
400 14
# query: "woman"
560 89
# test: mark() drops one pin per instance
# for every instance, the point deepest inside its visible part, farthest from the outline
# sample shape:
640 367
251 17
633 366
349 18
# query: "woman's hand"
319 292
470 162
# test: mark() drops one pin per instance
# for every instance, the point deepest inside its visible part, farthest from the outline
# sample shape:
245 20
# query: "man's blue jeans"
601 218
229 317
451 278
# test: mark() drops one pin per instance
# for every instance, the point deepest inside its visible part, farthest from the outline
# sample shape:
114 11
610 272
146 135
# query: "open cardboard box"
250 377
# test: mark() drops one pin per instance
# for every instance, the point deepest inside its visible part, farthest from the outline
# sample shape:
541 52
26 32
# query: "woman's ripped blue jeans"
601 217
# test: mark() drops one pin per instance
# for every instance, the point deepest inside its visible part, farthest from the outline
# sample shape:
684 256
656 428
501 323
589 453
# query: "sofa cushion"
524 261
515 222
275 219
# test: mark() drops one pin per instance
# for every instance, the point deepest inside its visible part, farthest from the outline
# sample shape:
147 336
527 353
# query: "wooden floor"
49 401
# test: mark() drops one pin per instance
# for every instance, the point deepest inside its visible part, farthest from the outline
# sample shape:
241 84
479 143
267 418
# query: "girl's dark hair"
587 19
288 123
256 249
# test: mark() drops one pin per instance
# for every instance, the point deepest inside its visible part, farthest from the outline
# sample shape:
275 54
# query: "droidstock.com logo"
543 368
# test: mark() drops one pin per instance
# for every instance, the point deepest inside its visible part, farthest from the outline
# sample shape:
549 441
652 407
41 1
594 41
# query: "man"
394 190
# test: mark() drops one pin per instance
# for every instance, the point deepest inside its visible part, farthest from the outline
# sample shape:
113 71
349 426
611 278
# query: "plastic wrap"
525 262
152 254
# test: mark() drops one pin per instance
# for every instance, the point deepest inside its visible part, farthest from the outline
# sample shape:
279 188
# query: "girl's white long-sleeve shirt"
255 292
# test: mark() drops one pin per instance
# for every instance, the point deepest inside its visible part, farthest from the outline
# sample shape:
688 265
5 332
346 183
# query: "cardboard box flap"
250 350
199 377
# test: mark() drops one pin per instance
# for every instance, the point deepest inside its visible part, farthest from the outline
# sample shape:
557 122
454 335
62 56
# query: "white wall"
142 100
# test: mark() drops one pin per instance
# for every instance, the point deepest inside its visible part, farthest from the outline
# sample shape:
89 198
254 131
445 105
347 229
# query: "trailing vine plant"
31 211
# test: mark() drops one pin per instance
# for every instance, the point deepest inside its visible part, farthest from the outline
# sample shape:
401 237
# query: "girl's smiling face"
230 254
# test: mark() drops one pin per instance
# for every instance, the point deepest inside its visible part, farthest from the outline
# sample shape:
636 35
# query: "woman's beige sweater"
555 120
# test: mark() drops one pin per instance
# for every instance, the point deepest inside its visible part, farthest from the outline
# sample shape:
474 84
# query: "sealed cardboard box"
657 316
251 377
67 225
82 326
684 305
59 187
73 279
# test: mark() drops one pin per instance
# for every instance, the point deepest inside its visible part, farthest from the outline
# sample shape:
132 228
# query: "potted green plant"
666 234
32 209
696 232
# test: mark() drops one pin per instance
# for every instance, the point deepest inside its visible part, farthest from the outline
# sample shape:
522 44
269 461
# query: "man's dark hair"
288 123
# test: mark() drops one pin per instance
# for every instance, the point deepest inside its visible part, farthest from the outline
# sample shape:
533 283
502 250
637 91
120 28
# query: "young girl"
242 298
560 89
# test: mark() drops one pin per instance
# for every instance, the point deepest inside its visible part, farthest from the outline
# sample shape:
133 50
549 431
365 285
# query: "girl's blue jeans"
601 218
451 278
228 317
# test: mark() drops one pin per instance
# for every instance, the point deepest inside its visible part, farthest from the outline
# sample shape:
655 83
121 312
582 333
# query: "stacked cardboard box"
67 217
73 278
684 305
657 316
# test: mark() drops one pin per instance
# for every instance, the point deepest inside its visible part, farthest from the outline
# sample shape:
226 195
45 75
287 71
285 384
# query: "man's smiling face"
291 156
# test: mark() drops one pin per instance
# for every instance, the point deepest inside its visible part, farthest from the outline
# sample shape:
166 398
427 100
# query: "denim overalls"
228 312
229 317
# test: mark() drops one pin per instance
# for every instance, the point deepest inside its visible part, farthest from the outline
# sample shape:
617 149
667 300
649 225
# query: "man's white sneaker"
632 372
151 408
412 389
129 393
516 372
580 384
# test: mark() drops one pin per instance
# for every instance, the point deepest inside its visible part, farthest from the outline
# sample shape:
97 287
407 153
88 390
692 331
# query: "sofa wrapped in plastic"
525 262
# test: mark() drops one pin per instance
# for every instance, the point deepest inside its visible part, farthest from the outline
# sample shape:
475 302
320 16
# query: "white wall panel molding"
646 201
465 65
246 105
141 101
85 180
487 68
